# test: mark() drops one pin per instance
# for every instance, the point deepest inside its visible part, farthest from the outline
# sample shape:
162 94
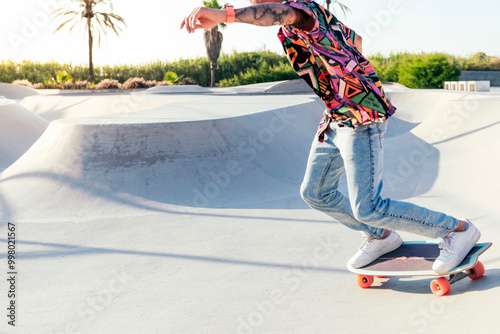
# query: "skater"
328 56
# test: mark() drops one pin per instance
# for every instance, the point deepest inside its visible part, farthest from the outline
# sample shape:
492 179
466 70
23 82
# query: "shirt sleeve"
303 5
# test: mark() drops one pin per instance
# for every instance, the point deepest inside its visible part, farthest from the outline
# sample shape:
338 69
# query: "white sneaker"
454 248
373 248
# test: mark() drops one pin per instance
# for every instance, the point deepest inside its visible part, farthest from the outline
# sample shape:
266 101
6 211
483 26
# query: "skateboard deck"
416 259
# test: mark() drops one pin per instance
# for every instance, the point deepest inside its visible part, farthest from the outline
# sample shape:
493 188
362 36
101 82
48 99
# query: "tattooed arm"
274 14
268 14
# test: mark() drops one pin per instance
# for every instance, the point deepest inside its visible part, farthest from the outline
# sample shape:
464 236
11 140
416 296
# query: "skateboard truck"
441 286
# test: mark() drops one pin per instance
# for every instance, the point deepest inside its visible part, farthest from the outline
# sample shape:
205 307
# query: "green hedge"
417 71
413 70
264 73
198 69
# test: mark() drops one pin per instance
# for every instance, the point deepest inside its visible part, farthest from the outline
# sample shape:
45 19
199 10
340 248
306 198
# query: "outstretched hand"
203 17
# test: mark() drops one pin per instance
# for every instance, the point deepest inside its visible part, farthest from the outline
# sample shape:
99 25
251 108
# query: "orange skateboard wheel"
477 271
440 286
365 281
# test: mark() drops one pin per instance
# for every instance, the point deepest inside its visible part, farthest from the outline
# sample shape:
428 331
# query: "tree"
94 22
343 7
213 41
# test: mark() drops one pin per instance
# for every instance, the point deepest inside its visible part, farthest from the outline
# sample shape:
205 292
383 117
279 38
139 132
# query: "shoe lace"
366 243
446 242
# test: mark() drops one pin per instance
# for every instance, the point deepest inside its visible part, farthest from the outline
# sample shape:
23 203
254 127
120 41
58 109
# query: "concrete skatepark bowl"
179 212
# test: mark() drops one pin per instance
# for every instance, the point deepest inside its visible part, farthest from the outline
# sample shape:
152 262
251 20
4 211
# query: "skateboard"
416 259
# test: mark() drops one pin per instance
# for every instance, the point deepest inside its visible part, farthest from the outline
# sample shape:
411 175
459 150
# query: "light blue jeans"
358 153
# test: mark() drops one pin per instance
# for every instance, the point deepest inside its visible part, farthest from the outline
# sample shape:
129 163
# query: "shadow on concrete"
75 250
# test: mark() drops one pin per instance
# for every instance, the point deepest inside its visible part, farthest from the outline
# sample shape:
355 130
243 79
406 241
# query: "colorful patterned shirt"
327 60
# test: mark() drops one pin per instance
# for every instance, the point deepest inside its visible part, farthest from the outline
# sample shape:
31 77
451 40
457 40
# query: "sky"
457 27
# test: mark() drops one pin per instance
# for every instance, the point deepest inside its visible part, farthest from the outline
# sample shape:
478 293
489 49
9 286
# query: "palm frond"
213 42
63 24
343 7
74 24
99 31
117 18
59 12
108 22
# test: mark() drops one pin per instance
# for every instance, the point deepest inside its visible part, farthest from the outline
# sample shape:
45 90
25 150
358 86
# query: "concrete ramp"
16 92
151 152
450 150
119 165
19 129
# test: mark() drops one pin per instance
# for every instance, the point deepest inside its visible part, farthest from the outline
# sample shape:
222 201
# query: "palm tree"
94 21
213 41
343 7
